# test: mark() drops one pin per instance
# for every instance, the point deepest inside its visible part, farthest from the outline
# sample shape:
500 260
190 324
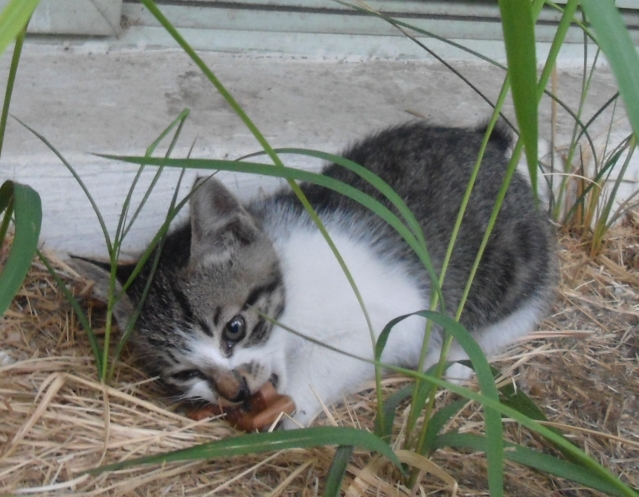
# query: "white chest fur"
321 304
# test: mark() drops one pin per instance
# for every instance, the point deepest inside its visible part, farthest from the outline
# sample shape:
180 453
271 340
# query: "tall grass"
518 18
20 204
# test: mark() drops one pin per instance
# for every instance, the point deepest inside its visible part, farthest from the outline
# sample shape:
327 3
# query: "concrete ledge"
117 101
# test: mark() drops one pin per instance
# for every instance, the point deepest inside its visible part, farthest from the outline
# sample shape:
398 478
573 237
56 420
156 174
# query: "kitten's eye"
188 374
235 329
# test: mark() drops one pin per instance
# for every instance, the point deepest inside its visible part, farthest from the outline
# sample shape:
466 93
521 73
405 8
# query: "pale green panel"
464 8
75 17
313 45
622 4
318 21
477 10
300 22
440 7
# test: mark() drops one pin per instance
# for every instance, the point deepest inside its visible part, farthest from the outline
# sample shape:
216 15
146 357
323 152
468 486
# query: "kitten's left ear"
218 221
100 273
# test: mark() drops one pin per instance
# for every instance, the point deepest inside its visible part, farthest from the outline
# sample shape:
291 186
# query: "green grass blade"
381 186
170 215
13 69
437 422
295 174
337 470
417 404
602 175
614 40
95 346
179 122
121 231
423 392
518 400
378 183
484 376
419 391
28 218
448 339
488 402
582 26
603 222
384 426
156 244
532 459
6 195
403 28
6 221
595 116
292 174
76 176
6 206
166 24
584 460
430 34
13 19
257 443
494 429
519 38
624 207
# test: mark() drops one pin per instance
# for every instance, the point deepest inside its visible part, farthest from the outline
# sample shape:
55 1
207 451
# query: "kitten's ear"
218 221
100 273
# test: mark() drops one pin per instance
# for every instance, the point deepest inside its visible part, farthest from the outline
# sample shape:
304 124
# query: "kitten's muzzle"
232 386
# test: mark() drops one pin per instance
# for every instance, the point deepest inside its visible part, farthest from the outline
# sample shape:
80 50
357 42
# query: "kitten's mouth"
246 403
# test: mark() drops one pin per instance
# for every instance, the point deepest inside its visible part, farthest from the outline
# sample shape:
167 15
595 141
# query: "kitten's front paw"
289 423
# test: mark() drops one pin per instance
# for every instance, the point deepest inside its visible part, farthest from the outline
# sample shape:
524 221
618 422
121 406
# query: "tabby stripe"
205 327
184 304
171 356
259 331
279 309
255 295
216 316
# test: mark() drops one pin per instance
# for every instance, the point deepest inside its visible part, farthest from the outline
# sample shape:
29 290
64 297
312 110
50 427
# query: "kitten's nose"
232 386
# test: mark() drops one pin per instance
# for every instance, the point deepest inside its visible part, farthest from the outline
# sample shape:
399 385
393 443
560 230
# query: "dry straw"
57 420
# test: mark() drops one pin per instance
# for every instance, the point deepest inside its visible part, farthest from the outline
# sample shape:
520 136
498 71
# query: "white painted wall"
75 17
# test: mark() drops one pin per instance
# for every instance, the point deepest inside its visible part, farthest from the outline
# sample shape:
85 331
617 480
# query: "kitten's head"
202 328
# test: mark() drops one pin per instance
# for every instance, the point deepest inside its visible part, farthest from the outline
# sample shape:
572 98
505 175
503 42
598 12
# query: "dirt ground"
57 420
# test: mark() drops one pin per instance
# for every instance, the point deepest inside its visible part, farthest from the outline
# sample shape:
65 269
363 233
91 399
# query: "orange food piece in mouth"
258 412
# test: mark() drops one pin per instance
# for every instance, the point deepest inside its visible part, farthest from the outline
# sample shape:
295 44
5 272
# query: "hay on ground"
57 420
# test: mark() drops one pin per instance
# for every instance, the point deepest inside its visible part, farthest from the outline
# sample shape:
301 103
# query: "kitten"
202 328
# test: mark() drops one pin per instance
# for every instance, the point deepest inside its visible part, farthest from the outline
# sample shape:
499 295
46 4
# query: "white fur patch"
315 283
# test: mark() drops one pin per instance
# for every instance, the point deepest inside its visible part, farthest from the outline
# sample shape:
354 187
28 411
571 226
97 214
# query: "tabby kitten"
202 328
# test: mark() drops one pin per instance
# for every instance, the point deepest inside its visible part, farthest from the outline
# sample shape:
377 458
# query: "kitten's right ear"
100 273
218 221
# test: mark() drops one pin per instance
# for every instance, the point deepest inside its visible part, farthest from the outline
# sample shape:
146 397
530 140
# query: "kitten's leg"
314 372
321 374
